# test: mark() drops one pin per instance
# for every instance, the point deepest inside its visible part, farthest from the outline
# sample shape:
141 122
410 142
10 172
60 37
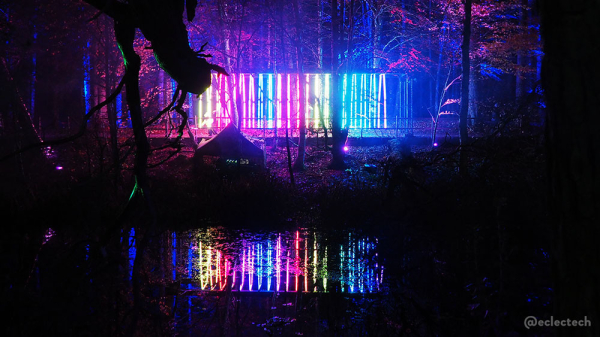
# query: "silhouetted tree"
570 32
466 72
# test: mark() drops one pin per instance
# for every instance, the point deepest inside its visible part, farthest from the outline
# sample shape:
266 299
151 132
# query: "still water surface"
304 260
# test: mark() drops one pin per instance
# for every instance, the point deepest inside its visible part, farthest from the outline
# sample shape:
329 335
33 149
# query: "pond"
222 282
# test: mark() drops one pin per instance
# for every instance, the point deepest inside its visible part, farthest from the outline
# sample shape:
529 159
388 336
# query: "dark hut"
232 148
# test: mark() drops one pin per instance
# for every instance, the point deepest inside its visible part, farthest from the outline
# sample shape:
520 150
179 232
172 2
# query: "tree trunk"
570 78
376 28
472 100
299 164
284 112
125 35
111 109
337 148
229 82
464 101
319 37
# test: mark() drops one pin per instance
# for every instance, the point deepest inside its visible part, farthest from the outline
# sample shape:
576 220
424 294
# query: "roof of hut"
229 143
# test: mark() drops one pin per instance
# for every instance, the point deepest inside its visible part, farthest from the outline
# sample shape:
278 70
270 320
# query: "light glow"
281 259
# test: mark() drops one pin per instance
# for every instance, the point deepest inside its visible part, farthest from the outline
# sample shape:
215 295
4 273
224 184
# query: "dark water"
215 282
292 283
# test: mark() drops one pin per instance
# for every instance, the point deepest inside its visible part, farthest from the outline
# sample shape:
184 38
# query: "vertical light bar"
287 272
376 268
318 101
363 110
344 103
223 97
209 267
261 99
350 264
325 271
306 263
361 279
376 99
209 111
200 266
342 268
199 115
191 112
234 96
251 268
355 268
384 92
372 101
326 102
243 268
353 97
218 101
408 102
242 82
278 262
270 100
297 101
228 107
314 261
306 94
226 274
297 260
219 274
233 101
259 268
279 99
289 102
251 102
359 92
269 265
379 99
232 278
190 264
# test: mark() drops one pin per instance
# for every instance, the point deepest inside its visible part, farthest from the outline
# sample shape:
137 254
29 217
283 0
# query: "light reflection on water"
300 261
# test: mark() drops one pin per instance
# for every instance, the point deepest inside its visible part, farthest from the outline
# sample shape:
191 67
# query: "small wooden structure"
232 149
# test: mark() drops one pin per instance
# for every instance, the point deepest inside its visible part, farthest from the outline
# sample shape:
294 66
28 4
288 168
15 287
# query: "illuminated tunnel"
266 100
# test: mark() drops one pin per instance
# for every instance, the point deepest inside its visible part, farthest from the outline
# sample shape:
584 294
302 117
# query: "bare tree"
466 72
299 164
338 133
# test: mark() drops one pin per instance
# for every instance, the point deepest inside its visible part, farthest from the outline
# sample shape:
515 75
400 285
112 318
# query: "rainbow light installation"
286 262
364 100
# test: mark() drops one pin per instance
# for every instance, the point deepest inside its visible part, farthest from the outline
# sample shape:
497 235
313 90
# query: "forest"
317 168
